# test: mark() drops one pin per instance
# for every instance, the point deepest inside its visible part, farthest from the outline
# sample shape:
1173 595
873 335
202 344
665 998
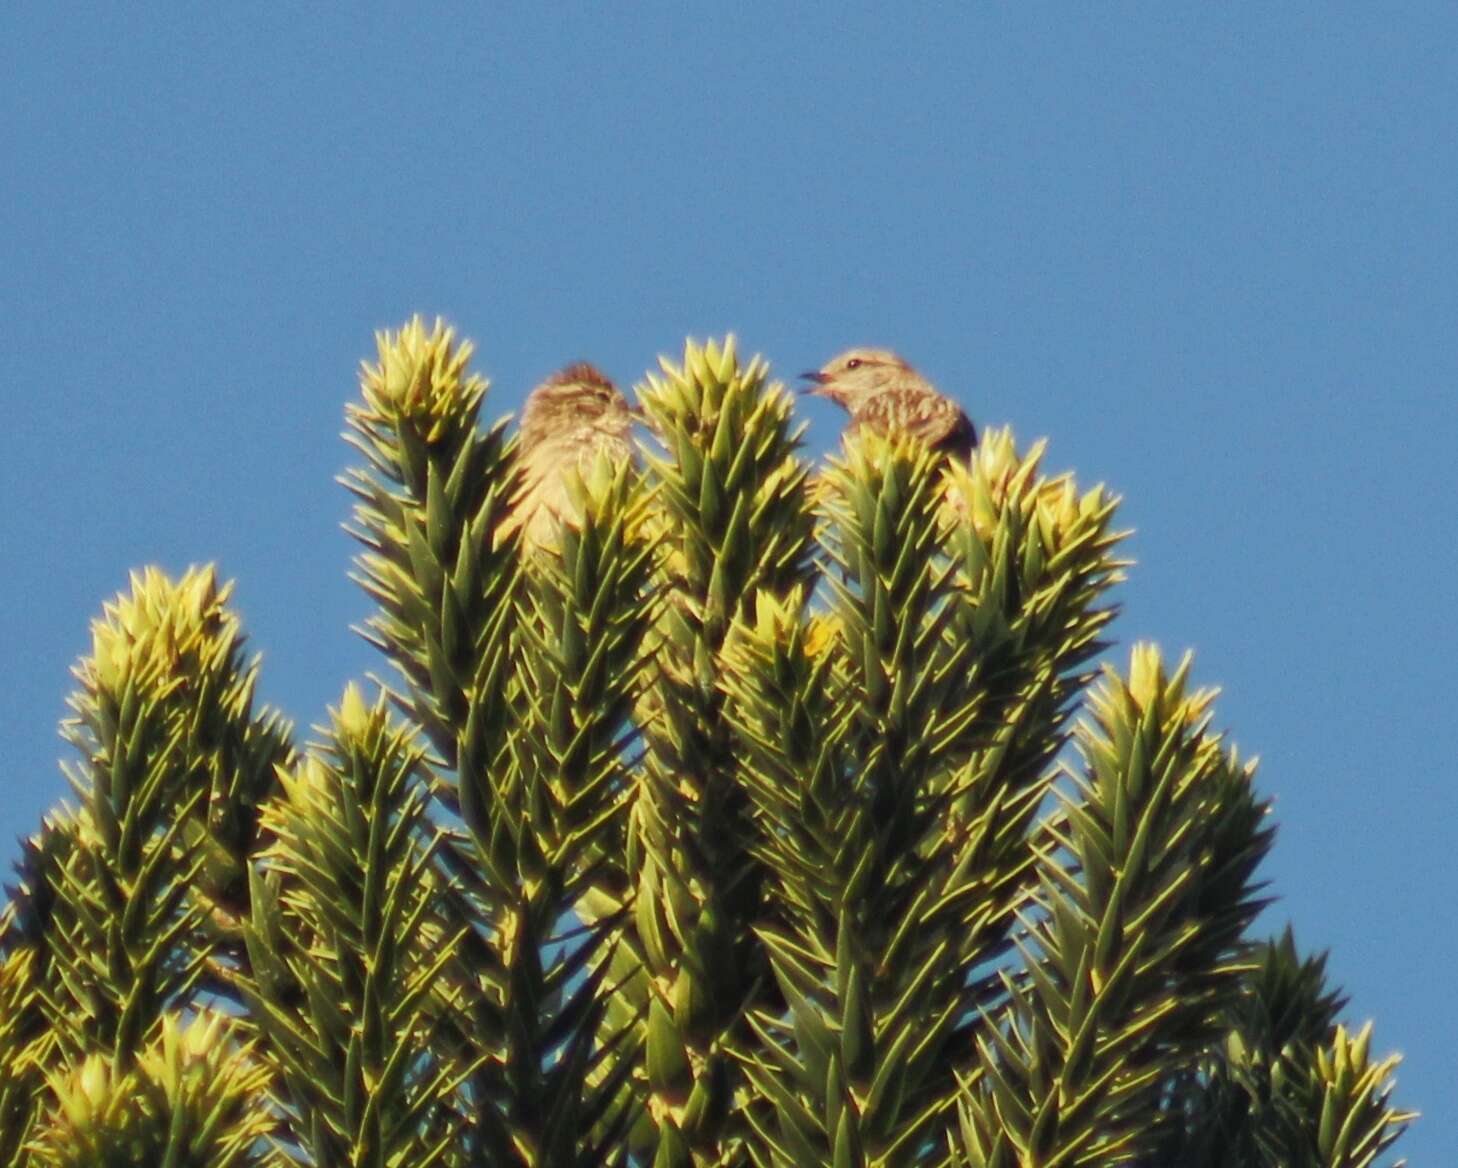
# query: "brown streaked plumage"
883 393
566 421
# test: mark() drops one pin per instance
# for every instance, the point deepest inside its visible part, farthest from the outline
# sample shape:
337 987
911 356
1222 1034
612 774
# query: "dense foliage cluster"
754 823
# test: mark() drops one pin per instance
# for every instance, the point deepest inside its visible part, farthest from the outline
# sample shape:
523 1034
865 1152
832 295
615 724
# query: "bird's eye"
853 363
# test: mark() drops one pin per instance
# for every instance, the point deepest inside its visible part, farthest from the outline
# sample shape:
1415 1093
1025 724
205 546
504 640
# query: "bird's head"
575 402
857 375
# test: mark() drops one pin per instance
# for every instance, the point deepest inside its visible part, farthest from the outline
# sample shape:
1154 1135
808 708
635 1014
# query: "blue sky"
1210 252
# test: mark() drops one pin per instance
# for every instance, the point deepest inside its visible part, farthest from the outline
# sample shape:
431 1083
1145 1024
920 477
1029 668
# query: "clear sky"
1209 251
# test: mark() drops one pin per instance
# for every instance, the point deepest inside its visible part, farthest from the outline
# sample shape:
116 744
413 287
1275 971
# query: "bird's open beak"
816 378
635 412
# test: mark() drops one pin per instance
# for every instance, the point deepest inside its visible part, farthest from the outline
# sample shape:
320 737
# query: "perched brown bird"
885 394
566 421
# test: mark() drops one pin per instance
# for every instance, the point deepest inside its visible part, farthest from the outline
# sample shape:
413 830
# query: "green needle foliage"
735 525
1284 1060
1132 944
123 896
764 818
189 1101
348 951
21 1028
523 674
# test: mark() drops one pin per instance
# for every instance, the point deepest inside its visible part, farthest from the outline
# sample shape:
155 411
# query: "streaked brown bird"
886 395
565 422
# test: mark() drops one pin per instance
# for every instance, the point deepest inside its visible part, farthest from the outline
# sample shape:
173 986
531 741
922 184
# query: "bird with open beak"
884 394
